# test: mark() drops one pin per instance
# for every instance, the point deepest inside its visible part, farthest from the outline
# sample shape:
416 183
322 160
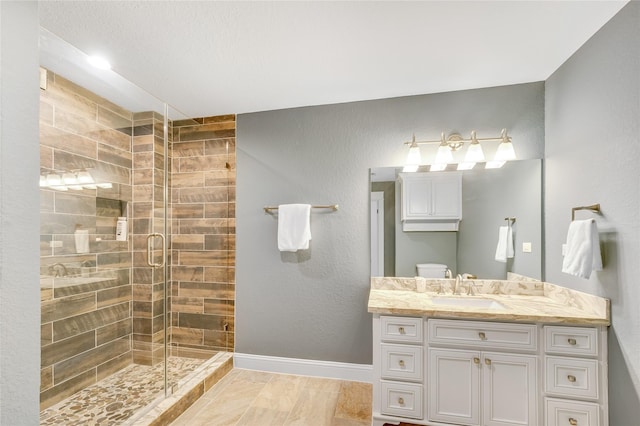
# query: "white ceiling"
209 57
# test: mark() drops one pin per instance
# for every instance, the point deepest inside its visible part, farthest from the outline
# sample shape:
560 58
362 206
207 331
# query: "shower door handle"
150 238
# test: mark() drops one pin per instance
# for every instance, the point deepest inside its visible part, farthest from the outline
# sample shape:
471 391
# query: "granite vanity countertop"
522 301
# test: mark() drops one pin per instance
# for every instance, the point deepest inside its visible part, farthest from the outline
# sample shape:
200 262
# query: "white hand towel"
294 227
82 240
583 249
504 248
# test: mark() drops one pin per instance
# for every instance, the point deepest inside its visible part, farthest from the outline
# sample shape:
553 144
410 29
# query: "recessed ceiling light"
99 62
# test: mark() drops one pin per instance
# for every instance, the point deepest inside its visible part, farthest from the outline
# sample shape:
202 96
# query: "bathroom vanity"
515 353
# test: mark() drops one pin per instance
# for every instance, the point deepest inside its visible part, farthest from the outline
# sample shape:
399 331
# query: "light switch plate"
526 247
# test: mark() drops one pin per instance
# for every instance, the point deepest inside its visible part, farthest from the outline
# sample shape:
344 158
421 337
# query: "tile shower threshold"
128 397
164 410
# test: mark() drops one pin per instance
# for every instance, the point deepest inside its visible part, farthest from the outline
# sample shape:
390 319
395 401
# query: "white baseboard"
305 367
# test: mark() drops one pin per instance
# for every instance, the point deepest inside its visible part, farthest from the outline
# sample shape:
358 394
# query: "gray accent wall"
19 215
592 156
313 304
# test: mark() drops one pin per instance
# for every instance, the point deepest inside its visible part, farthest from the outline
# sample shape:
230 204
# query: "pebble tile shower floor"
117 398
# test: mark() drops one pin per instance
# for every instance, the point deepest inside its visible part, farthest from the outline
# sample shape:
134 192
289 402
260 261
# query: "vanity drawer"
571 340
401 362
401 329
571 377
561 412
401 399
483 334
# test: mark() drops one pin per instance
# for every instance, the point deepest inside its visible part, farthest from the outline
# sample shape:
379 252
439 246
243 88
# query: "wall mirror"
488 197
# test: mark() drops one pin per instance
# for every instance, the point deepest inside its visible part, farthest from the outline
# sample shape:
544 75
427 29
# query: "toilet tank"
431 270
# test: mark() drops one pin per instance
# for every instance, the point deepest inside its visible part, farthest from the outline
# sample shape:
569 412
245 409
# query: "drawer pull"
476 360
400 401
482 336
401 330
571 378
487 361
572 341
401 363
572 421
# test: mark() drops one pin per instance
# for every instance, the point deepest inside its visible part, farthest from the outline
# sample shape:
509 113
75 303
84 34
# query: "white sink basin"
468 302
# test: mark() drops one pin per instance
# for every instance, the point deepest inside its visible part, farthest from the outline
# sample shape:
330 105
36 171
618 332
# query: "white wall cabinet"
438 372
431 201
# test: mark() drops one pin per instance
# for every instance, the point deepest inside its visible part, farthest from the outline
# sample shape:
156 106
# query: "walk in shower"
137 247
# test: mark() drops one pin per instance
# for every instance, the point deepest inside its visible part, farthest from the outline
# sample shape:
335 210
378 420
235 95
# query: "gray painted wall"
19 215
313 305
592 153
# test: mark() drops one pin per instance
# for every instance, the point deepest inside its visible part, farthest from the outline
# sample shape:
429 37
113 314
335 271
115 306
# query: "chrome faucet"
58 270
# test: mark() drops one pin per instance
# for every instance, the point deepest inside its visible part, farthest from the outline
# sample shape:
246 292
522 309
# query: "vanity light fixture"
505 150
413 158
474 154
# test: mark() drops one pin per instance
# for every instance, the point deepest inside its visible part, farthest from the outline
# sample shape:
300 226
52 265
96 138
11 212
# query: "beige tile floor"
253 398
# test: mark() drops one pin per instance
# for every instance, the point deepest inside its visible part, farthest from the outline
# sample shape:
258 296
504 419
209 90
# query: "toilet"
431 270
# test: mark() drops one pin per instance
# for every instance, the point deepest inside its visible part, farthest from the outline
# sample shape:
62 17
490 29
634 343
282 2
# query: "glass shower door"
103 261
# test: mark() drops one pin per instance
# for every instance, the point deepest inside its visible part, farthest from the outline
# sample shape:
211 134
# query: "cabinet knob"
401 363
401 330
482 335
571 378
572 341
476 360
487 361
400 401
572 421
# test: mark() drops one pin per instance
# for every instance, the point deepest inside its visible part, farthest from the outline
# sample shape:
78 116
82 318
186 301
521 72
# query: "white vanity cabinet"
399 360
431 201
575 387
486 385
437 372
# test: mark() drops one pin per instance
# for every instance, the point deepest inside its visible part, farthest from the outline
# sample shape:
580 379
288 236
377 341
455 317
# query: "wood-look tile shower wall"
108 310
148 217
203 234
86 310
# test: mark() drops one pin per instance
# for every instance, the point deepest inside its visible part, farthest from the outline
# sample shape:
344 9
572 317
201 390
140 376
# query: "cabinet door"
416 197
454 386
446 196
509 389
